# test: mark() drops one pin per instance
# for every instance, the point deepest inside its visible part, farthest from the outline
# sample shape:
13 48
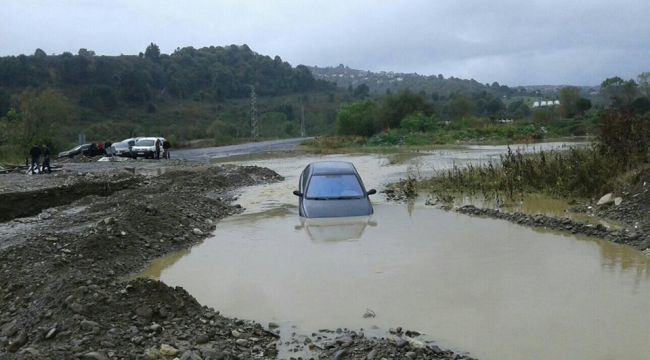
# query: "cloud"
512 42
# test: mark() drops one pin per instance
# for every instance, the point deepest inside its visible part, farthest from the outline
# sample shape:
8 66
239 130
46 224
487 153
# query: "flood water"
489 287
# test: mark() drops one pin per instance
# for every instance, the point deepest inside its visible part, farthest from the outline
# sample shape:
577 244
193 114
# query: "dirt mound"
61 293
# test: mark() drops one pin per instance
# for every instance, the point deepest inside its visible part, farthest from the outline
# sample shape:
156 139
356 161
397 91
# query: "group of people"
35 152
165 145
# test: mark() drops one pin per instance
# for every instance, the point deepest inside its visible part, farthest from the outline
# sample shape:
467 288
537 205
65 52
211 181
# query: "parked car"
332 189
123 148
146 147
85 149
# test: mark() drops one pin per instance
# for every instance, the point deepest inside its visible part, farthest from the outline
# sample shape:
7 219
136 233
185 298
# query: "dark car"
332 189
85 149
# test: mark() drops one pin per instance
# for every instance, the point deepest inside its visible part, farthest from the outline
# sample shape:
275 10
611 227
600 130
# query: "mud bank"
28 203
62 290
636 239
65 291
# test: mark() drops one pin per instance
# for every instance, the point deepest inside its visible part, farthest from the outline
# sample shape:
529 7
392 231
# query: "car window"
334 186
144 143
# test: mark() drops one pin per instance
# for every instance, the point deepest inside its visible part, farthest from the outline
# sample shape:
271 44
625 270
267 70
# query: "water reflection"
335 229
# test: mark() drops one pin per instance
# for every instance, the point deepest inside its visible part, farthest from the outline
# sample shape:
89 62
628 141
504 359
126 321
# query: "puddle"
534 204
495 289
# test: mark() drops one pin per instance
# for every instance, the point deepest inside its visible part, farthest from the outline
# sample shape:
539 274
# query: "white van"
146 147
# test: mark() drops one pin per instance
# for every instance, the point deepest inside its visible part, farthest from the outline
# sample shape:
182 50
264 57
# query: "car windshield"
333 187
144 143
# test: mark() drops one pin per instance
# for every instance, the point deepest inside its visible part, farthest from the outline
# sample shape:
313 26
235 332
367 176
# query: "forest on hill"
189 94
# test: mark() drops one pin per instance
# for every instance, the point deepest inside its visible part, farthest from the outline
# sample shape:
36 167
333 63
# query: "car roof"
332 167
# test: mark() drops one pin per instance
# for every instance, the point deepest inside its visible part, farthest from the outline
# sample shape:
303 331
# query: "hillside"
189 94
383 82
436 86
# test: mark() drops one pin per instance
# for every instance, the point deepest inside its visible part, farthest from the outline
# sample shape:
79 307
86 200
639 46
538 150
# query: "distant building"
546 103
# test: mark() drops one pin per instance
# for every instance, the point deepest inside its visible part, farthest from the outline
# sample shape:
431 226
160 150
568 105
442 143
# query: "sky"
513 42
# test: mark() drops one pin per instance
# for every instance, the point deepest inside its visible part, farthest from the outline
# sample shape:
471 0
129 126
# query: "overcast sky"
514 42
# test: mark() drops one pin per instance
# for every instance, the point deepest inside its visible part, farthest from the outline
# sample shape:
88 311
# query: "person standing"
35 153
166 146
157 148
46 159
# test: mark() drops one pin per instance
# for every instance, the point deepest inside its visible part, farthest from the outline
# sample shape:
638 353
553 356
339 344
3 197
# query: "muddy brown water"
489 287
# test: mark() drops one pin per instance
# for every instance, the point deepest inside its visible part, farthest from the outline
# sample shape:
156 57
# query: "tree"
86 52
134 87
397 107
152 52
644 84
39 53
41 116
518 109
460 107
362 91
569 97
100 97
618 92
5 102
359 118
419 123
583 105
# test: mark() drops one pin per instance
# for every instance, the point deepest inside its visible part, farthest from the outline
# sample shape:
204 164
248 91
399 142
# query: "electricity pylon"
254 131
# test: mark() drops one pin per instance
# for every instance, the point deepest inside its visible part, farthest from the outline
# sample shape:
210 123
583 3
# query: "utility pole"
254 132
303 133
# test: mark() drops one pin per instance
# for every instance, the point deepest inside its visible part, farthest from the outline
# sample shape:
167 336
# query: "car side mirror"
371 192
297 193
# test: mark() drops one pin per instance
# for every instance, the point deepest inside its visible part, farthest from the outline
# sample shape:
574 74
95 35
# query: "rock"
340 354
30 351
168 350
50 333
95 355
77 308
372 354
9 329
273 325
618 201
197 231
401 343
369 314
202 339
152 354
17 342
242 342
88 325
190 355
144 311
411 354
155 328
605 199
235 333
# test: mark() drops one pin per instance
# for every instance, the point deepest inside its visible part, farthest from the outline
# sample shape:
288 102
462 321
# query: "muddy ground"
69 243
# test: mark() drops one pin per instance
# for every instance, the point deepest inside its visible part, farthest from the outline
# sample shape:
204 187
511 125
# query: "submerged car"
332 189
